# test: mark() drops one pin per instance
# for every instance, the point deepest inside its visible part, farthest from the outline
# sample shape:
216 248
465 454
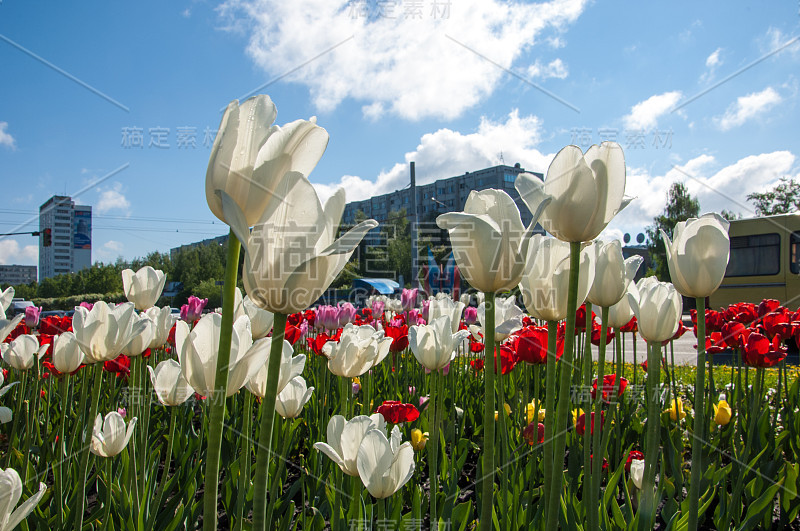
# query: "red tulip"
533 433
609 381
767 306
632 326
396 412
580 425
399 335
761 352
596 333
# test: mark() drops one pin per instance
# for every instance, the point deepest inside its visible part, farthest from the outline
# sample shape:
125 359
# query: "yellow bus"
764 262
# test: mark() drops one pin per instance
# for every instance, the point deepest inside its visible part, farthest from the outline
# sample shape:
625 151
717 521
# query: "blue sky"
704 93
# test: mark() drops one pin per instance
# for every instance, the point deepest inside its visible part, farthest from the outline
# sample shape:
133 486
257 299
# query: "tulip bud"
698 255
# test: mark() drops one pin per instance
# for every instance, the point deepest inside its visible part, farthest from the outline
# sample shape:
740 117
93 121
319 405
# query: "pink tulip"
470 315
32 316
409 298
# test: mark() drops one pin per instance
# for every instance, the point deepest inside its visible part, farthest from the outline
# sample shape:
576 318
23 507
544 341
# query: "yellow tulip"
418 439
506 407
531 410
676 411
575 414
722 413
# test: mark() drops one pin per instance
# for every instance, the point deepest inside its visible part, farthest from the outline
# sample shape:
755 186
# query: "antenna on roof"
501 158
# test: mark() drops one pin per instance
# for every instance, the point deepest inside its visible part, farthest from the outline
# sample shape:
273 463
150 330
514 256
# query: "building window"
759 254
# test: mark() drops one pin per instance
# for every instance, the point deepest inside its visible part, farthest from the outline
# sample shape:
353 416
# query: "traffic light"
47 237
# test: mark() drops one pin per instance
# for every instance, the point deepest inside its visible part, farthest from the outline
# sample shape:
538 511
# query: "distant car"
53 313
18 306
175 311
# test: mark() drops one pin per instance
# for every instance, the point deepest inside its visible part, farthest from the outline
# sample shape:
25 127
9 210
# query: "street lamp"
438 202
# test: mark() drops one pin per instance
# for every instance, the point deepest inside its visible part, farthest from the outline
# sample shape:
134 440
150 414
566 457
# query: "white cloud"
747 107
186 13
12 253
407 62
645 114
775 39
113 199
713 60
5 137
447 153
555 68
110 250
716 188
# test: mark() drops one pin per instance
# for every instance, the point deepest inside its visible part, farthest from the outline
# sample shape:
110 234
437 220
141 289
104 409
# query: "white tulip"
290 368
144 287
440 306
109 436
7 326
637 472
621 313
6 415
507 315
67 353
292 254
260 320
163 320
612 273
20 352
587 190
198 350
344 439
170 385
384 465
434 344
698 255
545 284
488 239
5 301
140 341
658 309
289 403
359 349
104 331
250 156
10 493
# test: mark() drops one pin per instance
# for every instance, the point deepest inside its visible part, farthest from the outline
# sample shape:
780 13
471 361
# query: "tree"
680 207
782 199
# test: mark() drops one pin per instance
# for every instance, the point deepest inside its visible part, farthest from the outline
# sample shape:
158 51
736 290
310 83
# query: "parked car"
18 306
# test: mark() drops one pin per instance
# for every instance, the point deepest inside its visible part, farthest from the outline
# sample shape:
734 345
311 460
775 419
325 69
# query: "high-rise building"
440 196
70 228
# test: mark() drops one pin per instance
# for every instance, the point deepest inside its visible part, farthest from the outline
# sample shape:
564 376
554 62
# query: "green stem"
109 481
749 440
61 447
648 495
173 416
267 422
554 494
487 468
80 497
433 452
217 409
618 404
273 488
598 409
20 392
698 428
244 467
588 469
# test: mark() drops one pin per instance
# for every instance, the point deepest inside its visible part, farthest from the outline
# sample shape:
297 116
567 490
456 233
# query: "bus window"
794 253
756 255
